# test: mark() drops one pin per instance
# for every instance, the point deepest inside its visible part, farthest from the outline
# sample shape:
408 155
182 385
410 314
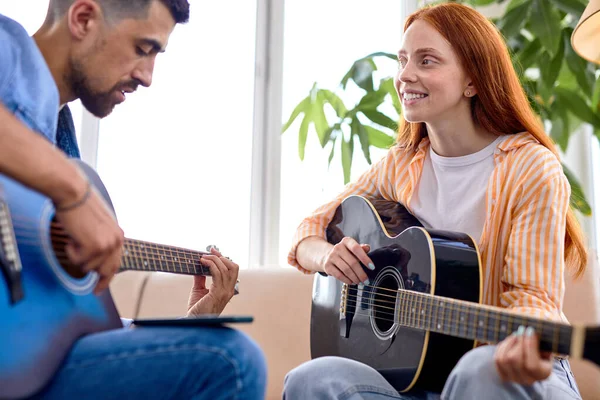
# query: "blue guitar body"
38 330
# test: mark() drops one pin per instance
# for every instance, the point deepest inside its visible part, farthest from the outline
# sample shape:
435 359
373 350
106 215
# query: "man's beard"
100 104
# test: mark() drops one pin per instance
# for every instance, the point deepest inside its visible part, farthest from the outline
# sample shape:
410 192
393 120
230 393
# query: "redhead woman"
471 156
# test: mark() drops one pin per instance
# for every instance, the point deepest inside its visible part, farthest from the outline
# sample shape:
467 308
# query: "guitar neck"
139 255
478 322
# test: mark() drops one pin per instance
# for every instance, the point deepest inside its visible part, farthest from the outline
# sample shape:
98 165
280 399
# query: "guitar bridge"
343 300
10 262
346 310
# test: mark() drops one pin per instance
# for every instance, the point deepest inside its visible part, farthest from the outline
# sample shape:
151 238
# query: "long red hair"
501 105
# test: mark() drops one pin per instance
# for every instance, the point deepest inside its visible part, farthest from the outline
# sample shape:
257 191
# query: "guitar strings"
446 318
134 251
58 232
418 322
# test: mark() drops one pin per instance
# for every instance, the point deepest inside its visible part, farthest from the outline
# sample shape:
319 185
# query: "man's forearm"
30 159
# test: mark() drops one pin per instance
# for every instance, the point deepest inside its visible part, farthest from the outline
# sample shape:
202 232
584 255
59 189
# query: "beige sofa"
280 300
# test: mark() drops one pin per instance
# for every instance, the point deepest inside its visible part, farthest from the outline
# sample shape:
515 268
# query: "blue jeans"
473 378
161 363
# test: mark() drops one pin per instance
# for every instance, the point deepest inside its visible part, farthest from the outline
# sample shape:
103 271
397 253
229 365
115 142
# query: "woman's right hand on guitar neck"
342 261
96 239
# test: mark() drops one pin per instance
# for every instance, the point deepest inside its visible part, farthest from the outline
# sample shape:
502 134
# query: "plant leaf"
550 67
302 135
529 53
387 84
577 106
331 154
578 200
361 73
347 150
379 139
335 102
380 119
480 2
301 107
574 7
330 130
319 119
545 24
516 14
578 65
560 127
371 100
358 129
382 54
596 96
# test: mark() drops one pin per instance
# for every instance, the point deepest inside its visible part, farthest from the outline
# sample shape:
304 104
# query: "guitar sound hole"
384 303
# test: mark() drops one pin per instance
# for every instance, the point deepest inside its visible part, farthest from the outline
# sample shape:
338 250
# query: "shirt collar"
511 143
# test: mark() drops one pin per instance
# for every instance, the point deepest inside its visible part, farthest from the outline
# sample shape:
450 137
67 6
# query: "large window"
176 157
322 40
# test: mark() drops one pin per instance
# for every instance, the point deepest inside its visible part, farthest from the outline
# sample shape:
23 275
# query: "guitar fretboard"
474 321
146 256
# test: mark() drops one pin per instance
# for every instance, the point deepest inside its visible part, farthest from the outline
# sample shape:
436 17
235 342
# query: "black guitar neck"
479 322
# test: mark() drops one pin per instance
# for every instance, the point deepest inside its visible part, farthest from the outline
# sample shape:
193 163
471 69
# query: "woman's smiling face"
430 82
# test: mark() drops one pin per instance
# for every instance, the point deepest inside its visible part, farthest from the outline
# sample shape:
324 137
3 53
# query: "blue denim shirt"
27 87
28 90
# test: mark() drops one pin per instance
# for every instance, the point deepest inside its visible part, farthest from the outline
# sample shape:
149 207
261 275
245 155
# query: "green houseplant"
562 87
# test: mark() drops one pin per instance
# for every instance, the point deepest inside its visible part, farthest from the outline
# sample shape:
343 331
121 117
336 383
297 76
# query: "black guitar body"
344 320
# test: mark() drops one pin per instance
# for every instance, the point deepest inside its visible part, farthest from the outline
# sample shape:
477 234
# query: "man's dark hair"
119 9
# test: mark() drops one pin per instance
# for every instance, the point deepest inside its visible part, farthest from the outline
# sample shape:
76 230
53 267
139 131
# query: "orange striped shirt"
522 244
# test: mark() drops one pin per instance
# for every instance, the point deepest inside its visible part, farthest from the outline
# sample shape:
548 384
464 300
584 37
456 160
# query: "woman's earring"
468 93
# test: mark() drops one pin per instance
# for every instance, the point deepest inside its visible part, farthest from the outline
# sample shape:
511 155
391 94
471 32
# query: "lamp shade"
586 36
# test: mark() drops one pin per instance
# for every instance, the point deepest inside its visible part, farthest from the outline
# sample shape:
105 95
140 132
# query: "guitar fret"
149 259
416 310
404 308
421 312
477 324
413 310
555 337
438 325
136 256
400 303
498 318
484 319
431 313
162 259
454 319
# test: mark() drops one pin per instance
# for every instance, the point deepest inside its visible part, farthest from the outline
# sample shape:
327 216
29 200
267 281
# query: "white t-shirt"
451 191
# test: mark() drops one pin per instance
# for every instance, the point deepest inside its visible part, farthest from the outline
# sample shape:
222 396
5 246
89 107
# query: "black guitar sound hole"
384 303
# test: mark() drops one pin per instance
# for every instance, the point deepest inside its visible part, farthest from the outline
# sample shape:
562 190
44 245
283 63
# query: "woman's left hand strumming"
519 360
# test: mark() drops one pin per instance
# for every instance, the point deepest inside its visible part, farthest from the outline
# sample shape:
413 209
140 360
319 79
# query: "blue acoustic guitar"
46 305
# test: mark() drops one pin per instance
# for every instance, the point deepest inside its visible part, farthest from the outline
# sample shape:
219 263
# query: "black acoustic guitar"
421 311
